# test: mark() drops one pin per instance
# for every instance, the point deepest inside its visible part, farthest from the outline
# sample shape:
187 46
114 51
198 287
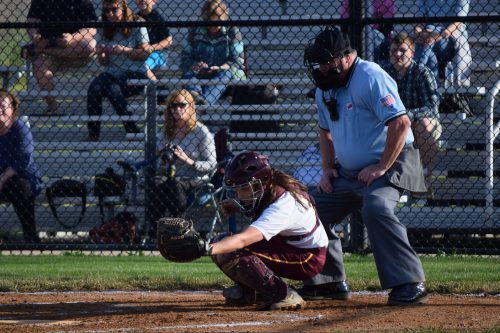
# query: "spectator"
187 154
368 160
285 238
437 45
55 48
417 88
160 38
381 33
20 182
213 52
122 51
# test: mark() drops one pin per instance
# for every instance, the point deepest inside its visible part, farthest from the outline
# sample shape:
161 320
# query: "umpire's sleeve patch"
387 101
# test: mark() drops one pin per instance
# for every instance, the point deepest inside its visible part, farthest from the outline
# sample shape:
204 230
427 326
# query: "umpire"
368 159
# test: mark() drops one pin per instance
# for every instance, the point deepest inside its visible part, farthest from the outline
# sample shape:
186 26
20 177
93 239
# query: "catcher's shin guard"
248 270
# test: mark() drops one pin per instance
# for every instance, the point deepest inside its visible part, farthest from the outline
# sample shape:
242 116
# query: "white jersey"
287 217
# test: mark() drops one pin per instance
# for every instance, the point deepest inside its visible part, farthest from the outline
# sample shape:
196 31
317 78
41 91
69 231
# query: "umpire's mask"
330 44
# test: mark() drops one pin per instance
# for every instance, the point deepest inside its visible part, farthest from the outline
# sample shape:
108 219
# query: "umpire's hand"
325 183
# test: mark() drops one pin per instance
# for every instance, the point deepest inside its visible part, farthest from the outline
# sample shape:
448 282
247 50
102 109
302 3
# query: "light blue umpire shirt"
365 105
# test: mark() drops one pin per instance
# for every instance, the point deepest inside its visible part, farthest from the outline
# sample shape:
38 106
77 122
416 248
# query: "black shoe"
408 294
335 290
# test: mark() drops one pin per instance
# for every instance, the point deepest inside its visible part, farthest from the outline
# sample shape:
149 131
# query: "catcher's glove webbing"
178 241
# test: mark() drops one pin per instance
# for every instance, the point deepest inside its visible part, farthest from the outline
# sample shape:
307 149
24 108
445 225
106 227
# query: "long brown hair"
128 16
14 100
169 120
282 181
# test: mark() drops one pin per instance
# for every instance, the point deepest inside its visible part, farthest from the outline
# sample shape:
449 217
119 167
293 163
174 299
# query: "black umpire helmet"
329 44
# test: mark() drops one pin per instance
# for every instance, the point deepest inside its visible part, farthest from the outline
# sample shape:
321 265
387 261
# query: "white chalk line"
291 319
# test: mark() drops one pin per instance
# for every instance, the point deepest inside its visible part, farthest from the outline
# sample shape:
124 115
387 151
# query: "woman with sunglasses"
122 51
187 158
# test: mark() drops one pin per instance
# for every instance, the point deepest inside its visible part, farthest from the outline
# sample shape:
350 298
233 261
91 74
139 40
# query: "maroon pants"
261 266
289 261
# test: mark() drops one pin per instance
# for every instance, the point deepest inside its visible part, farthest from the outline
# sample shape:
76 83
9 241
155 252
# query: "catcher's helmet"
247 170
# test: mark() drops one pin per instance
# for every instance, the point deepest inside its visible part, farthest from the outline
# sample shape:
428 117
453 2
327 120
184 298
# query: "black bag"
108 184
66 188
455 103
255 94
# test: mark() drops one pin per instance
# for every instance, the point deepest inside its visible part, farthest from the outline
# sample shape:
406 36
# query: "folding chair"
202 209
207 194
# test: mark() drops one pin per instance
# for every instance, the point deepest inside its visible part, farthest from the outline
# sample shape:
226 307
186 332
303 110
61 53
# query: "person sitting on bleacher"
58 47
123 52
213 52
19 178
440 44
188 158
160 38
417 88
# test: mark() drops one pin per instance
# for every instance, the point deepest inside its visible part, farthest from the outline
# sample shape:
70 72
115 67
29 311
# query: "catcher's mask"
247 177
329 45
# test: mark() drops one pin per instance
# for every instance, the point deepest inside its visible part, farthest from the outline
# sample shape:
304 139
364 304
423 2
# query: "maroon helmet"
247 169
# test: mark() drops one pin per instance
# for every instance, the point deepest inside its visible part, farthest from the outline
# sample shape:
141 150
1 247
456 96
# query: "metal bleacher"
275 55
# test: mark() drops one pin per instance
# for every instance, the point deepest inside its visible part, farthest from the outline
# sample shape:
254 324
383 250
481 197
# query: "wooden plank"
462 189
89 146
418 217
463 160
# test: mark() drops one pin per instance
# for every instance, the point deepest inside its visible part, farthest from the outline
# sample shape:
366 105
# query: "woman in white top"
187 152
284 240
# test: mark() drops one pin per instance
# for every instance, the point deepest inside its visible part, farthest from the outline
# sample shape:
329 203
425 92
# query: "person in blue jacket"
19 178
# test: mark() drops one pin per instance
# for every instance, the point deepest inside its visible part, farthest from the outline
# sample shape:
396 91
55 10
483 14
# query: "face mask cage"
316 55
246 205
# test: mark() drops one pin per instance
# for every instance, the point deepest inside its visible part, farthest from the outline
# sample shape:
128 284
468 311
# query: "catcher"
284 240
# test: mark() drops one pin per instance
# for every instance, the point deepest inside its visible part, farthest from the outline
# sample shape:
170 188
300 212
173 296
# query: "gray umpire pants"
396 261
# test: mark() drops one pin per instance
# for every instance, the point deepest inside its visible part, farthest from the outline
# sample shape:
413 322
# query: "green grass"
450 274
10 50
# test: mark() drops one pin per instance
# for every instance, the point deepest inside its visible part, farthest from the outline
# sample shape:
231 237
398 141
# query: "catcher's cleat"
240 296
292 301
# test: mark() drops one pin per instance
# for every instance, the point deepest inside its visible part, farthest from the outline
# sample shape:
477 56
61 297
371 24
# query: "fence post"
356 15
149 149
358 241
492 132
359 237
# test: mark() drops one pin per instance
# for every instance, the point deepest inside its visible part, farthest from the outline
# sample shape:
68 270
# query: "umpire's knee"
374 207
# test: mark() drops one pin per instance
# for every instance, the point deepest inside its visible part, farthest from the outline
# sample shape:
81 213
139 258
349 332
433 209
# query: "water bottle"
449 76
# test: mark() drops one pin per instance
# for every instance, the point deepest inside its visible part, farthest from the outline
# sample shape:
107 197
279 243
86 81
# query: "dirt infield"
205 312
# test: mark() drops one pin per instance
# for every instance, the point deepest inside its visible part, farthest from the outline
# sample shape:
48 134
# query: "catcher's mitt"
178 241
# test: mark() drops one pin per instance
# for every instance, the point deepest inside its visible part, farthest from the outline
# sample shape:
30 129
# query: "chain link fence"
89 162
